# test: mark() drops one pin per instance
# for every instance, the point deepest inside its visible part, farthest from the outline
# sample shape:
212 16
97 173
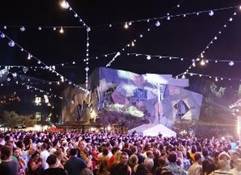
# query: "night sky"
182 37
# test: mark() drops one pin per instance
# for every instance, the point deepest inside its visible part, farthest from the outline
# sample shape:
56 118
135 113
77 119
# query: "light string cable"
65 4
230 62
200 57
31 87
30 56
140 36
216 78
211 12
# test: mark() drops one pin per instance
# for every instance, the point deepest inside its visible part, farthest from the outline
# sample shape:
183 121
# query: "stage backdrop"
158 98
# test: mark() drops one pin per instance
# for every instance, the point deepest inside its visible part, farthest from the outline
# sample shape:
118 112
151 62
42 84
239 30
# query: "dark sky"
183 37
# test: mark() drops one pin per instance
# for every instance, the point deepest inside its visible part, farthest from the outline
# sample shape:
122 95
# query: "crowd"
75 153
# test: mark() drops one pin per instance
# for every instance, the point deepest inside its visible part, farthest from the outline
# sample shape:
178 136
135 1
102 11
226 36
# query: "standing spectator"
74 165
54 168
121 168
44 154
196 168
208 165
8 166
224 164
172 166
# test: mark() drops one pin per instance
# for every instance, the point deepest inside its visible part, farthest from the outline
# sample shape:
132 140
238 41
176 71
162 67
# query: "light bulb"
148 57
29 57
61 30
11 43
157 23
132 44
22 29
126 26
202 62
2 35
64 4
231 63
211 13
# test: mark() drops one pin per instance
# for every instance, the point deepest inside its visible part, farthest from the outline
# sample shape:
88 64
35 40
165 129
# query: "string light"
231 63
29 57
127 45
157 23
11 43
168 16
211 13
215 78
148 57
38 60
126 26
64 4
61 30
22 29
208 45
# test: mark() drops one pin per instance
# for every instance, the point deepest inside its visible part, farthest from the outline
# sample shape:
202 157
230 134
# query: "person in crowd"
122 168
35 166
196 168
20 160
106 153
224 165
8 166
133 163
237 169
44 155
54 168
208 165
74 165
172 165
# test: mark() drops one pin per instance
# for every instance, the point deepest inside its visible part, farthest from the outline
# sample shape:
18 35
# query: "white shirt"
44 155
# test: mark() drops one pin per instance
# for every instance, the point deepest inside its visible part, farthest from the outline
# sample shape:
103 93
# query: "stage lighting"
64 4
